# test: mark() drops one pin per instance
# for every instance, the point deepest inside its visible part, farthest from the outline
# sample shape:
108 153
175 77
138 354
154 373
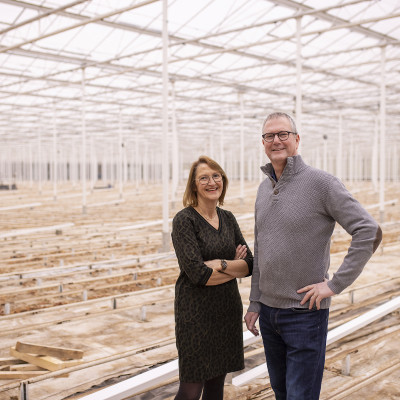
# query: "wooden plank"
11 361
20 374
59 352
25 367
46 362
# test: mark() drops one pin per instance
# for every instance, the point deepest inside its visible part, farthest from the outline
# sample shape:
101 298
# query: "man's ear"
297 140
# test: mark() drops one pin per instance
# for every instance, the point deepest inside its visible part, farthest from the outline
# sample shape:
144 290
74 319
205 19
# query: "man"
296 209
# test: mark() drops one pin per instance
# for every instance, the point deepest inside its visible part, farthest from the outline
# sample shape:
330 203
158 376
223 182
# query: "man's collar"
274 175
293 164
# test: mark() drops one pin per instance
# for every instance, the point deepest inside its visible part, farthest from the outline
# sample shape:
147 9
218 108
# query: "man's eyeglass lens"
204 180
282 135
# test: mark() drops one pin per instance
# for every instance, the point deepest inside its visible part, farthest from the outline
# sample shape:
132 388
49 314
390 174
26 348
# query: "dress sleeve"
187 250
255 305
239 239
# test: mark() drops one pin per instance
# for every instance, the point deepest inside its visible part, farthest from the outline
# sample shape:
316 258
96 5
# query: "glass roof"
58 58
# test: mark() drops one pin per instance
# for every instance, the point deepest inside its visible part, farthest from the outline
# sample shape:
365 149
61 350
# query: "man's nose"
276 138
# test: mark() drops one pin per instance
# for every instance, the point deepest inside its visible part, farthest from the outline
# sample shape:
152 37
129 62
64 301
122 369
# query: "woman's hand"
241 252
218 277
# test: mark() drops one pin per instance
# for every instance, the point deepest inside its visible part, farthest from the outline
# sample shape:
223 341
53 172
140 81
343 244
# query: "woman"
211 254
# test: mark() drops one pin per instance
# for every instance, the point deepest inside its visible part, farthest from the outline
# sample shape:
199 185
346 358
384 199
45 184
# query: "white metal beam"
41 15
77 25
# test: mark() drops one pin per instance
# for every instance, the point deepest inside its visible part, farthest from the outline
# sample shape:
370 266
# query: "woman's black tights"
213 389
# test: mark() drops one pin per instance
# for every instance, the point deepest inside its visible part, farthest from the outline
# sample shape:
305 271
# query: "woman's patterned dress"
209 333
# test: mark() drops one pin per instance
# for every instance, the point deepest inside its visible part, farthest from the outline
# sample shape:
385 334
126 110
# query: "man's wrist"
255 306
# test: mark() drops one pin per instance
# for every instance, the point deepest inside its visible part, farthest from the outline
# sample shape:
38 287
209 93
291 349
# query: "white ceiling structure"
333 64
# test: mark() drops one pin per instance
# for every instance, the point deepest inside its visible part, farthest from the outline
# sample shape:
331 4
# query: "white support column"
39 158
374 165
128 162
125 162
102 162
61 164
73 163
351 161
2 162
221 147
241 141
363 167
30 166
112 165
107 157
298 80
55 158
211 145
250 167
155 170
316 158
93 164
23 156
358 165
395 164
83 155
9 178
339 154
382 154
16 162
21 164
165 163
228 166
119 165
175 147
325 156
261 153
137 165
145 163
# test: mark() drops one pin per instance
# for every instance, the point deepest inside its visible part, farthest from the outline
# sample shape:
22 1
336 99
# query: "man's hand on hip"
251 319
316 293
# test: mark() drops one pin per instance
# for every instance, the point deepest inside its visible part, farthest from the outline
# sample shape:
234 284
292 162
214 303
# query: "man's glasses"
282 135
205 180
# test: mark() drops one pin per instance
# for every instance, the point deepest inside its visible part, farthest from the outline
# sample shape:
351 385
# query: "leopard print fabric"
208 319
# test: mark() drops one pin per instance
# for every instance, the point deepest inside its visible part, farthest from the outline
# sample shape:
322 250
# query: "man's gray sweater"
294 222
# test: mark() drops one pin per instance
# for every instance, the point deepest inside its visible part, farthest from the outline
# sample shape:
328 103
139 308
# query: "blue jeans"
295 343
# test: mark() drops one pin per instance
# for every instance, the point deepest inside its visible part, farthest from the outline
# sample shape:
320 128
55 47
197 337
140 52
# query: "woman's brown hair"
190 195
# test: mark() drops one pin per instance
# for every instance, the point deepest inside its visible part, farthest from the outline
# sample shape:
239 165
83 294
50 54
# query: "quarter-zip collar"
293 165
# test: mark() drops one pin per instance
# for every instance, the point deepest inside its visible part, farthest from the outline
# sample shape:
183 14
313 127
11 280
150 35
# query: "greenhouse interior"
104 107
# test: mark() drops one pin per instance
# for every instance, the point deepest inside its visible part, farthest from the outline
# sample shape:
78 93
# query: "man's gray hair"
281 115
